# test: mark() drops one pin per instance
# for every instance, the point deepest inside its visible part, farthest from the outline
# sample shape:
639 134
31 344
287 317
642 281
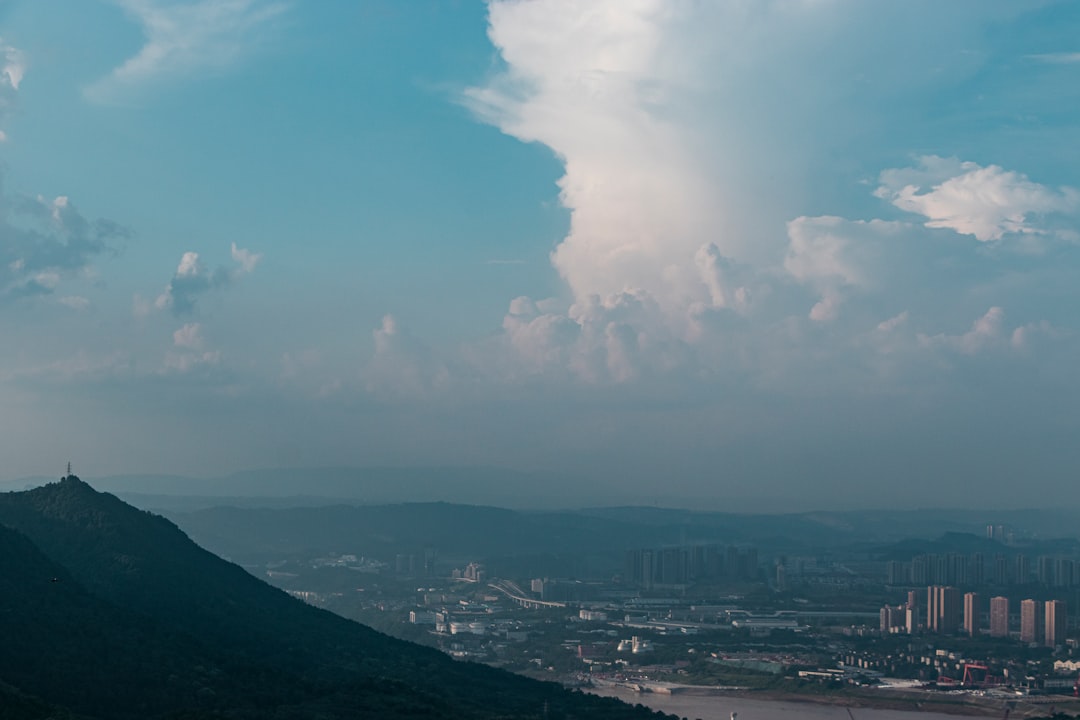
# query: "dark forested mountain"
107 611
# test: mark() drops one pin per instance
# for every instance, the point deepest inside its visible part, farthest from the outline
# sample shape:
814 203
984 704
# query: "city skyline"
762 254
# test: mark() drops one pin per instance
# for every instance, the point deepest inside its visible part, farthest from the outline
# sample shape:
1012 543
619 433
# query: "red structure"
969 677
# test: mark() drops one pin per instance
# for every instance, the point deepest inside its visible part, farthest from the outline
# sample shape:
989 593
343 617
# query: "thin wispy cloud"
1059 58
184 39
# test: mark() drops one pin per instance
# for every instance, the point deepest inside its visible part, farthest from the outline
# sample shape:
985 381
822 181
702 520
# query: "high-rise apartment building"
1001 570
999 617
971 614
920 570
1031 621
944 610
977 569
894 573
1055 623
1064 572
911 619
1022 571
893 619
1044 570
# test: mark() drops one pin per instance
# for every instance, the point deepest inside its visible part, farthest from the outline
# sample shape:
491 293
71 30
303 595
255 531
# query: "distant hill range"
726 503
260 533
478 485
583 543
370 485
109 612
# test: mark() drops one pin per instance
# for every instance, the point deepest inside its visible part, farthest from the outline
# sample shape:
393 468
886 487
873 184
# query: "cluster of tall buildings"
681 565
943 609
904 618
474 571
1043 622
947 611
958 569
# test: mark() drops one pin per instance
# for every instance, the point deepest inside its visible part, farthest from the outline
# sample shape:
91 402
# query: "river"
720 707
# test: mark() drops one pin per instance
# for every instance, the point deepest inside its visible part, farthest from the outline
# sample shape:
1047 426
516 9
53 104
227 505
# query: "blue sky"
770 253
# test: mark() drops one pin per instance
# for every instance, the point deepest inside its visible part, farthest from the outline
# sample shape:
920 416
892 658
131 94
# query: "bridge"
511 590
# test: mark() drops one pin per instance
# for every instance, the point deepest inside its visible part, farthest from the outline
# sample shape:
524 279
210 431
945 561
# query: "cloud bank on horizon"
798 254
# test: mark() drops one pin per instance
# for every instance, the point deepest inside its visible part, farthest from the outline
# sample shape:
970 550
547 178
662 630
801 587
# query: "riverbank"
877 704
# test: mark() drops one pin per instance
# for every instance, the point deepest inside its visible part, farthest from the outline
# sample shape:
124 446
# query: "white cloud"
611 339
687 133
190 354
984 332
834 255
188 336
42 241
192 279
892 336
1024 336
12 70
247 259
827 307
588 80
722 279
540 341
893 323
401 367
75 302
986 202
820 250
689 129
693 139
13 66
183 363
47 280
189 265
185 38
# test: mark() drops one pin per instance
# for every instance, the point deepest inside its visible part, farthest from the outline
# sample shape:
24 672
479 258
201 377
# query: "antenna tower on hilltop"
69 469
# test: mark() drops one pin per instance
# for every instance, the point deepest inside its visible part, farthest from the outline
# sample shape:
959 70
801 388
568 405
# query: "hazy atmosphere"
793 255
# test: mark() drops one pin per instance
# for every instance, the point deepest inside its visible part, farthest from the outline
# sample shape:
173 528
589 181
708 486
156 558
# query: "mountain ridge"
248 650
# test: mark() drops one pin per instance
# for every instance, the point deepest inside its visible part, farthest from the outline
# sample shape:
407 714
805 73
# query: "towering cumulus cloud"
695 137
596 83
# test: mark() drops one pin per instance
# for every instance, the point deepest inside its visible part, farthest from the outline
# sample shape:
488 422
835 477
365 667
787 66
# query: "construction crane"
969 677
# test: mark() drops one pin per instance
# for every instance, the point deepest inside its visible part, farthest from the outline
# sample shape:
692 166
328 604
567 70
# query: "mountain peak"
73 481
135 594
67 490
